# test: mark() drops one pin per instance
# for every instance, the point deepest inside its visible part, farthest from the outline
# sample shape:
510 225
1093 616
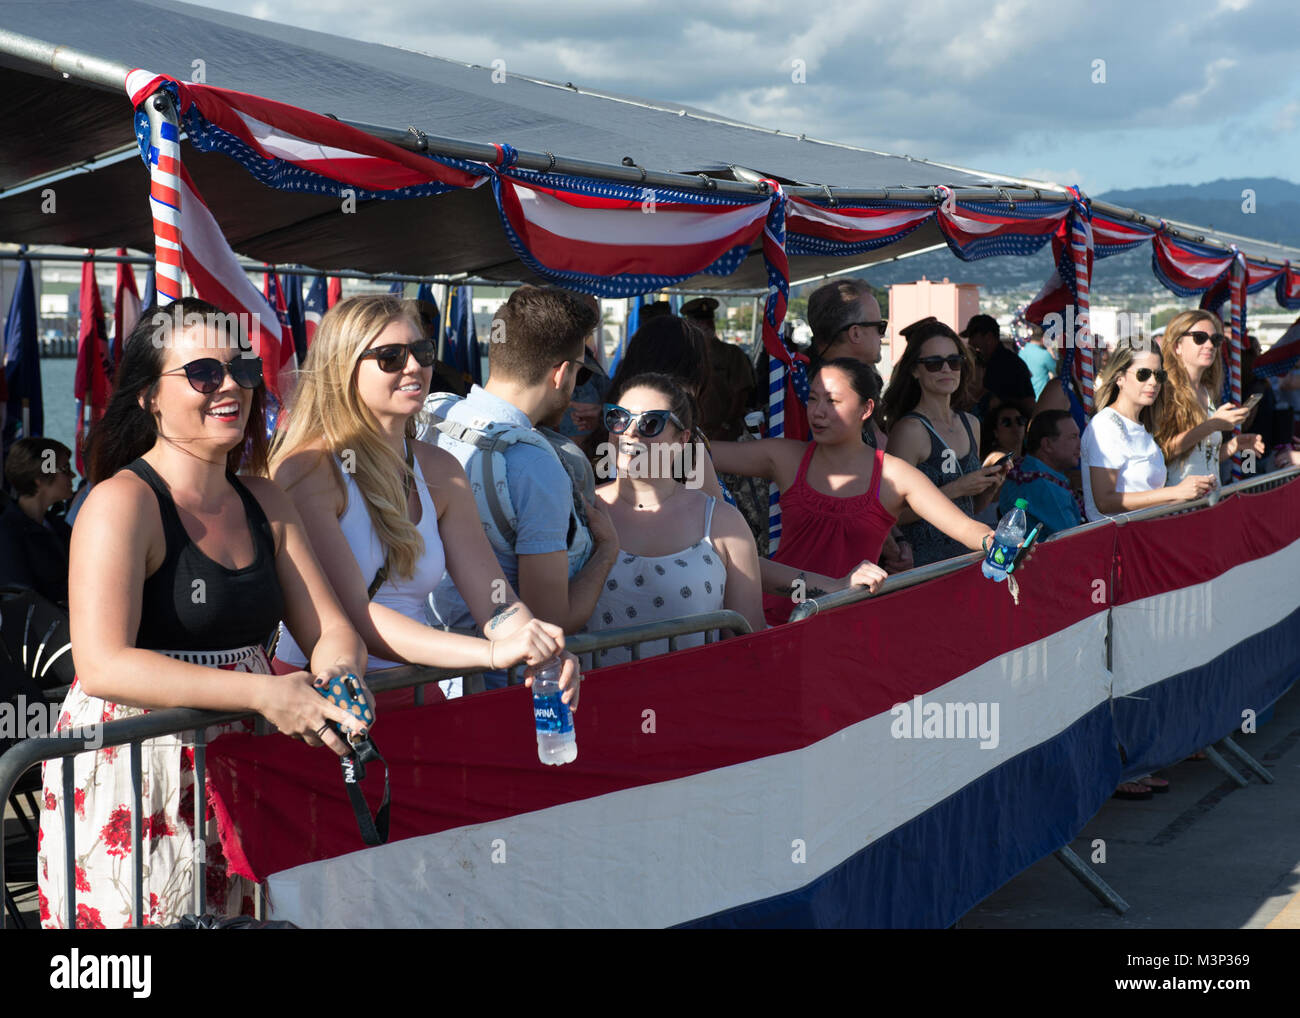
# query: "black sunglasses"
878 325
933 364
584 372
649 422
206 374
392 356
1144 374
1200 338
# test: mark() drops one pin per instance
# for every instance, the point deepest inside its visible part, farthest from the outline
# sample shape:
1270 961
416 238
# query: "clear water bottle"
557 743
1007 539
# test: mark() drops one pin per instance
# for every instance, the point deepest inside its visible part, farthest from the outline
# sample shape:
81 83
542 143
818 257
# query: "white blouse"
1114 442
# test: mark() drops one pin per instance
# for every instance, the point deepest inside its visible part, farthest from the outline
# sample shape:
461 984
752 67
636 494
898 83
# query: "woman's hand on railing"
534 642
293 706
1193 486
570 679
865 574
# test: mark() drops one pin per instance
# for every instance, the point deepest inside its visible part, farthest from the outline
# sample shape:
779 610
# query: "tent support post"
1251 763
1216 758
1089 878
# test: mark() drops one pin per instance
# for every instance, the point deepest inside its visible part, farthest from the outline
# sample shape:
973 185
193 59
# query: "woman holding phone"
1190 430
927 431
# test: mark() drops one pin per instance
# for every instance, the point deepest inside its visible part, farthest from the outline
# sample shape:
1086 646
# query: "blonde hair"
1120 360
326 408
1183 410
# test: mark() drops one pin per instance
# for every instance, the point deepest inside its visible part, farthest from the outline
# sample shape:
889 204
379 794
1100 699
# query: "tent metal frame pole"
1090 879
111 76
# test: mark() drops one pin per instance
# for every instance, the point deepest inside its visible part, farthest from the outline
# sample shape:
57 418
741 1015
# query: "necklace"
656 505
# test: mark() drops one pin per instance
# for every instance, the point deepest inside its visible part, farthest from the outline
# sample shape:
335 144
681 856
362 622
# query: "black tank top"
194 603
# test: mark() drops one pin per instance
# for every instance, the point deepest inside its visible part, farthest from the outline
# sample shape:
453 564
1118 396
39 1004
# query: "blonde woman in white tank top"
343 459
681 552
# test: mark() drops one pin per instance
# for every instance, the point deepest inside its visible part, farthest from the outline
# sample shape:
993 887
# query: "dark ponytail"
127 430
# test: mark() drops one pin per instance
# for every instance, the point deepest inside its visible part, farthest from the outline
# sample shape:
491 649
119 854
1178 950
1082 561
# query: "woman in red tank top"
839 497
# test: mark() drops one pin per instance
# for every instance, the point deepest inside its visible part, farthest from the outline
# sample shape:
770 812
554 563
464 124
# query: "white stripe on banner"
1168 634
206 242
283 145
655 229
889 222
679 850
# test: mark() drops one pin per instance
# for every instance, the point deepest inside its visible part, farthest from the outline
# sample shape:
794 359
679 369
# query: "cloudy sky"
1107 94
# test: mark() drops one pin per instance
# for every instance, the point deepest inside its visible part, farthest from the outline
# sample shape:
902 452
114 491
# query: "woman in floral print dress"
179 572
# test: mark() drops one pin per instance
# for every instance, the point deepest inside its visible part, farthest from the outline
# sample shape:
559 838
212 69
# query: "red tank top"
825 533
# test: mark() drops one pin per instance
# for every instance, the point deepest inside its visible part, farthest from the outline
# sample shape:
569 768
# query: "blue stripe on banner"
906 879
1173 718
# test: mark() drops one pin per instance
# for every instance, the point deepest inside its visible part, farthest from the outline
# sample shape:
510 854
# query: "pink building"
951 303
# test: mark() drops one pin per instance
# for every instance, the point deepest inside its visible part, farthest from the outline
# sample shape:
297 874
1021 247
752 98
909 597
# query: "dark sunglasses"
933 364
649 422
1144 374
392 357
869 325
1011 422
1200 338
584 372
206 374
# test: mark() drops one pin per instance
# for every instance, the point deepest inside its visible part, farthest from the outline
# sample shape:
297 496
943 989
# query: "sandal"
1155 784
1132 790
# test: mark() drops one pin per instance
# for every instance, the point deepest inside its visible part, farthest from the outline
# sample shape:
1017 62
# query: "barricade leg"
1251 763
1089 878
1216 758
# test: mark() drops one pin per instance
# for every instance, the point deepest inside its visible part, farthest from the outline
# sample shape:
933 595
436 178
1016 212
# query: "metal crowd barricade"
132 732
1066 855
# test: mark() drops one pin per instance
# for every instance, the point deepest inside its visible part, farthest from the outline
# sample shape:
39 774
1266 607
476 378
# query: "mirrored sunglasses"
649 423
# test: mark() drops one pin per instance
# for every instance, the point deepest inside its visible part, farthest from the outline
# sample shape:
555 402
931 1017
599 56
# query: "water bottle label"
551 714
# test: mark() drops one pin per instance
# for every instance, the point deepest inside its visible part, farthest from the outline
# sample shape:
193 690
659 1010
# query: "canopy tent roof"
54 123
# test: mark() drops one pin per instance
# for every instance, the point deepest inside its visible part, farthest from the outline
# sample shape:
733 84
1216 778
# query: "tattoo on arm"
500 614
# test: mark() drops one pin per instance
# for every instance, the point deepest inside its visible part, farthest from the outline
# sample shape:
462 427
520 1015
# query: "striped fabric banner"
1080 227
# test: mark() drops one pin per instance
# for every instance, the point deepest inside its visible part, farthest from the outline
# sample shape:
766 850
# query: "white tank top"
656 588
401 595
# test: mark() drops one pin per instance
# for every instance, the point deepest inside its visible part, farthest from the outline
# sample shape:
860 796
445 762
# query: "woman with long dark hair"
926 431
839 497
681 551
179 572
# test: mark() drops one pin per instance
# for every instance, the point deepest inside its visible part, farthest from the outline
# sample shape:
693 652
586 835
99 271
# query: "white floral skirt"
102 821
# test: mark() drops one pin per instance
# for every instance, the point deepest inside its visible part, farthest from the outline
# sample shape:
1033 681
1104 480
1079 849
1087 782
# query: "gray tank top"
930 544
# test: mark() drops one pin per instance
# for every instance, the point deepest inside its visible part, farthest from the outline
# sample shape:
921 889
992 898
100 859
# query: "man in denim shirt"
1053 444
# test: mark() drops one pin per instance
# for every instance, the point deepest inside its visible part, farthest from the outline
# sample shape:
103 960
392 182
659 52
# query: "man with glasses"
554 550
1006 376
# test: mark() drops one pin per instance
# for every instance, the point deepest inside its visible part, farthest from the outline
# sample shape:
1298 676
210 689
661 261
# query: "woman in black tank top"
179 572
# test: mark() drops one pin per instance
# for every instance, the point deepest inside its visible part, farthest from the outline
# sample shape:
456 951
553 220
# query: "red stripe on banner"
565 254
169 165
160 192
380 166
474 760
1172 552
593 201
167 232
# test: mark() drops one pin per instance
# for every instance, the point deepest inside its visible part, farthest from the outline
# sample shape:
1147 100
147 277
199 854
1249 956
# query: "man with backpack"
554 546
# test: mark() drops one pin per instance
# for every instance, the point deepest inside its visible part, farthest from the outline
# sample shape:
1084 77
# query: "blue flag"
462 338
23 359
297 315
475 358
150 296
398 289
629 330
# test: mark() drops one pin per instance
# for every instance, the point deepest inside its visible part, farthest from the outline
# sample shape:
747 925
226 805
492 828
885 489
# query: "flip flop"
1155 784
1132 790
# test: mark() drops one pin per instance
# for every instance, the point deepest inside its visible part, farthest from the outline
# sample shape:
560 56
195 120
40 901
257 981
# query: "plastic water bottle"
1007 539
557 743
